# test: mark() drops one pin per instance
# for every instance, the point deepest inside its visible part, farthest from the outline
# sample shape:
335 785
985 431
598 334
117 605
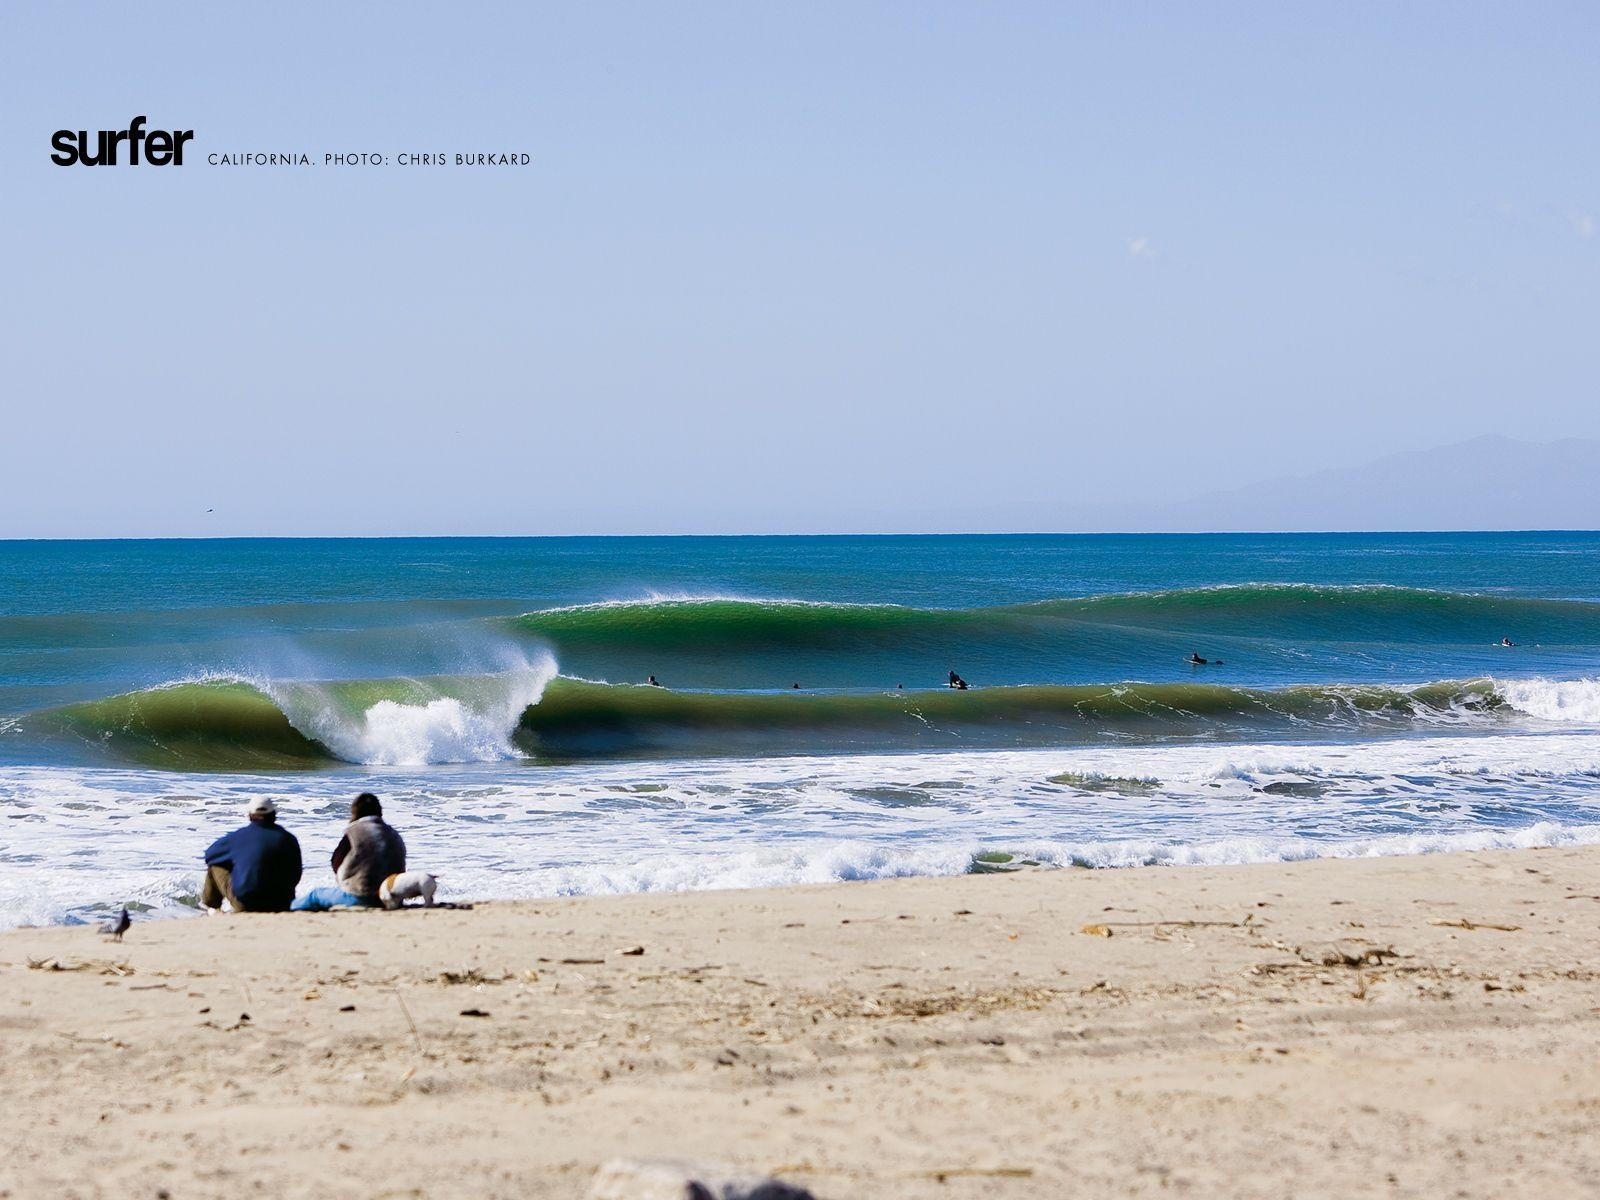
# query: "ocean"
493 691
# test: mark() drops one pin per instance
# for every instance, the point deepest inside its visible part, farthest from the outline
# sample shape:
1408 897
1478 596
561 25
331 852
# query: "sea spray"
456 720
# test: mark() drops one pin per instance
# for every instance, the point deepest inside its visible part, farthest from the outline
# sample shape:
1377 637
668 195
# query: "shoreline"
1371 1026
504 835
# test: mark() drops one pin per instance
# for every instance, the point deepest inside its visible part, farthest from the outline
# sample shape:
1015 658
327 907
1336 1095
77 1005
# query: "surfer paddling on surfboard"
1194 660
957 682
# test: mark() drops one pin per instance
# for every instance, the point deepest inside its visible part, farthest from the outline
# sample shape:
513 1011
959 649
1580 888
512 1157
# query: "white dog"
408 885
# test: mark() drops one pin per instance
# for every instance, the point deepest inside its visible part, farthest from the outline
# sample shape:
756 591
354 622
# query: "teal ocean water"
496 690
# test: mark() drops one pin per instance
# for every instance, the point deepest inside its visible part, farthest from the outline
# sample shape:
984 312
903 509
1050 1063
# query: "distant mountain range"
1487 483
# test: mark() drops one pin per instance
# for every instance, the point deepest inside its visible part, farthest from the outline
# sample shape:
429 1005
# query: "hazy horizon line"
1018 533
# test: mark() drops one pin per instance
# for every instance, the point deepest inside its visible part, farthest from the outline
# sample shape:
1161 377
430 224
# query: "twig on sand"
415 1036
975 1172
1463 923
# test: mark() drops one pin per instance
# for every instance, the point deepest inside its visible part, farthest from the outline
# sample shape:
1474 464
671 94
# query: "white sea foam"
660 599
75 842
1230 851
1575 701
837 862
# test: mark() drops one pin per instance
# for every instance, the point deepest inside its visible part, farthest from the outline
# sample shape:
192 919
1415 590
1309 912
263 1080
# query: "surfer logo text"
155 147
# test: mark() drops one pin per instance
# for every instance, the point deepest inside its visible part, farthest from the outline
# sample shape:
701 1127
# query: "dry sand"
1419 1027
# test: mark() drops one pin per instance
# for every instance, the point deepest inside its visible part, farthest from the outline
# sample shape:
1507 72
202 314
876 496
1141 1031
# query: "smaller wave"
726 623
1234 851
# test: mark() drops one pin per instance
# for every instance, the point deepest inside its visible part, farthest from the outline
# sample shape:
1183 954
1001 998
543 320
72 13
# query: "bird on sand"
118 927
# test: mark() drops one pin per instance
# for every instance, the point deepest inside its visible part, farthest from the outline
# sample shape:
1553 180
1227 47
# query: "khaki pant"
216 887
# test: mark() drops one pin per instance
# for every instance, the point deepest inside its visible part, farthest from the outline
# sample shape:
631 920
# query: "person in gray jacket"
369 852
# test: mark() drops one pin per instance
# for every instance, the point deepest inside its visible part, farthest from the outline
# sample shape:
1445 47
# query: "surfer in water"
1195 660
957 682
1505 641
653 682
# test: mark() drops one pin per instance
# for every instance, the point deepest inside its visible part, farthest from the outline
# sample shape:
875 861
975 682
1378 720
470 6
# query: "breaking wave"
528 711
244 724
1574 701
1269 610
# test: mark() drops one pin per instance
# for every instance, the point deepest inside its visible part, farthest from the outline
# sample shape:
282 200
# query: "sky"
854 267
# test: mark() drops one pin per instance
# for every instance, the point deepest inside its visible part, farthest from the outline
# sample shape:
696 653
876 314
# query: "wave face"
217 724
528 713
1266 633
578 718
1370 612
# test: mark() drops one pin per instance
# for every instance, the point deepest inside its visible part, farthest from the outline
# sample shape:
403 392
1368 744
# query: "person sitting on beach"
369 852
254 868
957 682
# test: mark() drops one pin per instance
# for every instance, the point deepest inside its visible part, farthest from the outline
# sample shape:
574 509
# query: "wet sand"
1379 1027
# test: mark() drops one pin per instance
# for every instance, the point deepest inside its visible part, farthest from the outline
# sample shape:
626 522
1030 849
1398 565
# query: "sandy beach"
1401 1026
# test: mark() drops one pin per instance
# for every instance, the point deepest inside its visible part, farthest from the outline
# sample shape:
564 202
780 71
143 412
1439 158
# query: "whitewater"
546 831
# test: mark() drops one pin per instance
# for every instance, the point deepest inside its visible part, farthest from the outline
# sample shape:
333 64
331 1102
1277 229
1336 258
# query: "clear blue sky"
805 267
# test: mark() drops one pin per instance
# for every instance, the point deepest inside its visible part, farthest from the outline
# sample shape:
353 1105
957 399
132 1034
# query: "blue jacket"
264 862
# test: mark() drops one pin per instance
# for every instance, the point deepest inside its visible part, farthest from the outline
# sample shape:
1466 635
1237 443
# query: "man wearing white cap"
255 868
